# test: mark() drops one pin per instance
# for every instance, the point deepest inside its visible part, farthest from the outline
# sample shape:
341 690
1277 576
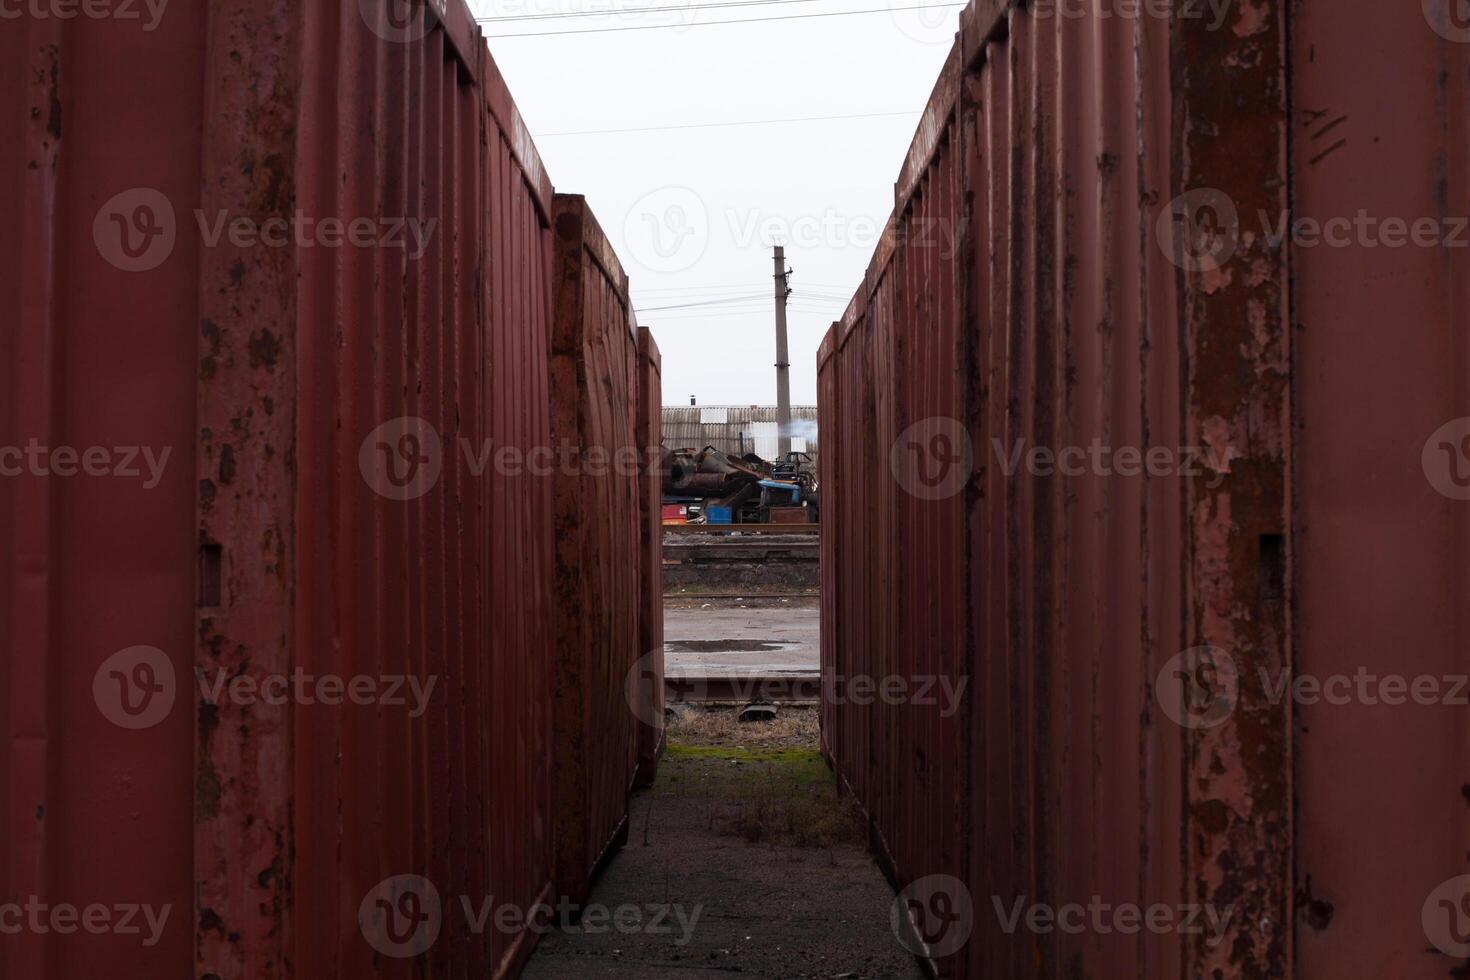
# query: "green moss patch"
767 796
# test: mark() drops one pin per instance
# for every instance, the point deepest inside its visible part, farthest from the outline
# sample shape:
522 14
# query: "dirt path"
741 860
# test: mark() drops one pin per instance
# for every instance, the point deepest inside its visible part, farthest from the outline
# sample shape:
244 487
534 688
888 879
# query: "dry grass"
794 728
764 782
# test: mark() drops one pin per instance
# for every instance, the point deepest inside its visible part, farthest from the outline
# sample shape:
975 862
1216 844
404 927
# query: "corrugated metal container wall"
833 559
93 355
1381 555
865 634
1075 313
1025 335
597 505
650 694
283 380
518 290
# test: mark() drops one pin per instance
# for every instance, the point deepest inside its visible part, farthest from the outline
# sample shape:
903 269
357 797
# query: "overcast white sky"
693 213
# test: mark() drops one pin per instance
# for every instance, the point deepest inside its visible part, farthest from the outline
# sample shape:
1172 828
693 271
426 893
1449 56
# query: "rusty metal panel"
1382 391
866 731
832 629
95 357
597 503
392 579
518 715
928 303
893 368
284 537
248 356
649 706
1034 296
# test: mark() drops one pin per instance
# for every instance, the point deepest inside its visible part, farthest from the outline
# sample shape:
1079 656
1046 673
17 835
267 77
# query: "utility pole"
783 355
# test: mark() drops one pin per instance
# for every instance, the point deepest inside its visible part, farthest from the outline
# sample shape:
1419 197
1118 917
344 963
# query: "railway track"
713 564
745 596
747 550
726 530
736 688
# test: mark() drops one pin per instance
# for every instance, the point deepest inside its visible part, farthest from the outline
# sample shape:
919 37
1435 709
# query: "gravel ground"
794 728
750 863
740 600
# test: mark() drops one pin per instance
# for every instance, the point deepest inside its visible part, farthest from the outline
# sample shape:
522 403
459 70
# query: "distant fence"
738 430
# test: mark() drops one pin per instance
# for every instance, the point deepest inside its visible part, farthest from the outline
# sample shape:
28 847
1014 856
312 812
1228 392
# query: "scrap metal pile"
721 489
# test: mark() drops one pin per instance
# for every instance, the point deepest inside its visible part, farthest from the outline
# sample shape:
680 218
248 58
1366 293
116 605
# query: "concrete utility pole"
783 355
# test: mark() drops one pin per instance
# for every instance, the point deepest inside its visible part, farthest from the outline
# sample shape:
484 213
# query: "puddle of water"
724 646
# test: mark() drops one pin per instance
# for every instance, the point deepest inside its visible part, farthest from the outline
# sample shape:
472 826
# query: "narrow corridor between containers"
197 667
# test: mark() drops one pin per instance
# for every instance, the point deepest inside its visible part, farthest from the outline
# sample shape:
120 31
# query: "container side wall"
649 703
517 293
248 358
439 336
596 500
392 581
325 507
832 631
925 760
1047 346
1380 541
96 356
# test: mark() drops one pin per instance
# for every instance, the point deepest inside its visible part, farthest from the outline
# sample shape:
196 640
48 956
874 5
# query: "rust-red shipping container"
599 498
1138 473
315 416
649 694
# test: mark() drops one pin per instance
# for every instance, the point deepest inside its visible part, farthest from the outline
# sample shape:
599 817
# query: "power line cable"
693 288
734 292
720 125
680 318
717 302
701 294
740 287
810 299
726 23
692 8
753 305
